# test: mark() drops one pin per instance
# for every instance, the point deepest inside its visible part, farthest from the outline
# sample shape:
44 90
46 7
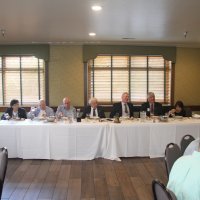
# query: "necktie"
94 113
126 110
151 108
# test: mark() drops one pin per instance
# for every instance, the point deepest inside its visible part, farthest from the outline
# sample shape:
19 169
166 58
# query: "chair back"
160 192
3 167
172 153
185 141
188 112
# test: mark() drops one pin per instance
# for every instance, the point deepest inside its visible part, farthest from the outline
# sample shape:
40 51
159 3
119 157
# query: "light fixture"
185 34
92 34
128 38
96 8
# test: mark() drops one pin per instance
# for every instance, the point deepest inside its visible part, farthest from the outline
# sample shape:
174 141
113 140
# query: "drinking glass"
142 116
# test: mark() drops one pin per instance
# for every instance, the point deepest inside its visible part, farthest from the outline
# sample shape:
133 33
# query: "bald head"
125 97
42 104
66 102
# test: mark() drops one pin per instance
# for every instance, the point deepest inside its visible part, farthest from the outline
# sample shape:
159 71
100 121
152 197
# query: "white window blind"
110 76
11 77
156 77
101 73
138 80
120 83
23 78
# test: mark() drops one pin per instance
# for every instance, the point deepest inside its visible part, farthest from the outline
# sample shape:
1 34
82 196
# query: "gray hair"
150 94
124 93
92 99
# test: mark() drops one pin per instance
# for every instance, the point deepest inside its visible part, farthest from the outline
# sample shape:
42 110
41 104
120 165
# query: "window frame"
46 81
172 74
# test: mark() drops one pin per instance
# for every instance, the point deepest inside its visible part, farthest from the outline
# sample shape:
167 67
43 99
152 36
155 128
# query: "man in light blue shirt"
41 111
193 146
66 110
184 178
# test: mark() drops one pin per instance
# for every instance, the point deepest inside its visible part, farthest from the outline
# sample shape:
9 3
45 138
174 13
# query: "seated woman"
178 110
14 111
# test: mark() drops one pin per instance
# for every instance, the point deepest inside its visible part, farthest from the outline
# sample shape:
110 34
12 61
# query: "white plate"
196 116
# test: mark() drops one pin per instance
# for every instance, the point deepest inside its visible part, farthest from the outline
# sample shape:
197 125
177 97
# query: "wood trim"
172 83
47 82
109 107
92 51
85 83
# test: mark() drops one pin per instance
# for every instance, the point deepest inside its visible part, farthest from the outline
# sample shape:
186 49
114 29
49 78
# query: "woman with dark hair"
14 111
178 110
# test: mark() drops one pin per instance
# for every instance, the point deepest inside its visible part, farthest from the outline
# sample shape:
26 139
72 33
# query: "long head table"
88 140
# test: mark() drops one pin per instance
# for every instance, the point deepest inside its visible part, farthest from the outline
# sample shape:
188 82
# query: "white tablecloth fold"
86 141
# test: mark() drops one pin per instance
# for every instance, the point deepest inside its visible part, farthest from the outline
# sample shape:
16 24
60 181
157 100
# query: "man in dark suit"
152 107
123 108
93 110
14 111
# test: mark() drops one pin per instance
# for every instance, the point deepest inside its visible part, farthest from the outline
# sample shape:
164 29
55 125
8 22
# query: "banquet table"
87 140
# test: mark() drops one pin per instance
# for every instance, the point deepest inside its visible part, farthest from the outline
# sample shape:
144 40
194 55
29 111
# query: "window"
22 78
110 76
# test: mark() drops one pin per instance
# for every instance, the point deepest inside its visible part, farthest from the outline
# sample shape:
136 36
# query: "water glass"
142 116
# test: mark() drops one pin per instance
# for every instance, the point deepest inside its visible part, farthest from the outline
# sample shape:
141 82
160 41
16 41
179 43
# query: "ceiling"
147 22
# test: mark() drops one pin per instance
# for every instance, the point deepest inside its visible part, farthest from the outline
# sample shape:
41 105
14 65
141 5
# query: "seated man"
42 110
93 110
123 108
184 178
152 107
14 111
66 110
193 146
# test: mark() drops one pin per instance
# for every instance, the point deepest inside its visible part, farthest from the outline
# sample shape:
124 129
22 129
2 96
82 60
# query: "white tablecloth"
86 141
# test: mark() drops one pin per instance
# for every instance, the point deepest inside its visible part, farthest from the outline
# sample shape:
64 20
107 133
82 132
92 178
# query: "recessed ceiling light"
92 34
96 8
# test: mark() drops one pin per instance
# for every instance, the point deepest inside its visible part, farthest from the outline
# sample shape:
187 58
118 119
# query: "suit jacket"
157 108
21 113
87 110
117 108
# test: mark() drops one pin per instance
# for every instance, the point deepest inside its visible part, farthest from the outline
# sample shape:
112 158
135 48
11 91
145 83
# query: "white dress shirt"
91 112
71 112
15 114
42 113
123 110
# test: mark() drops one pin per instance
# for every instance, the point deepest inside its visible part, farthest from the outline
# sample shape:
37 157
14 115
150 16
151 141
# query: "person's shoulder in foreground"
184 179
193 146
